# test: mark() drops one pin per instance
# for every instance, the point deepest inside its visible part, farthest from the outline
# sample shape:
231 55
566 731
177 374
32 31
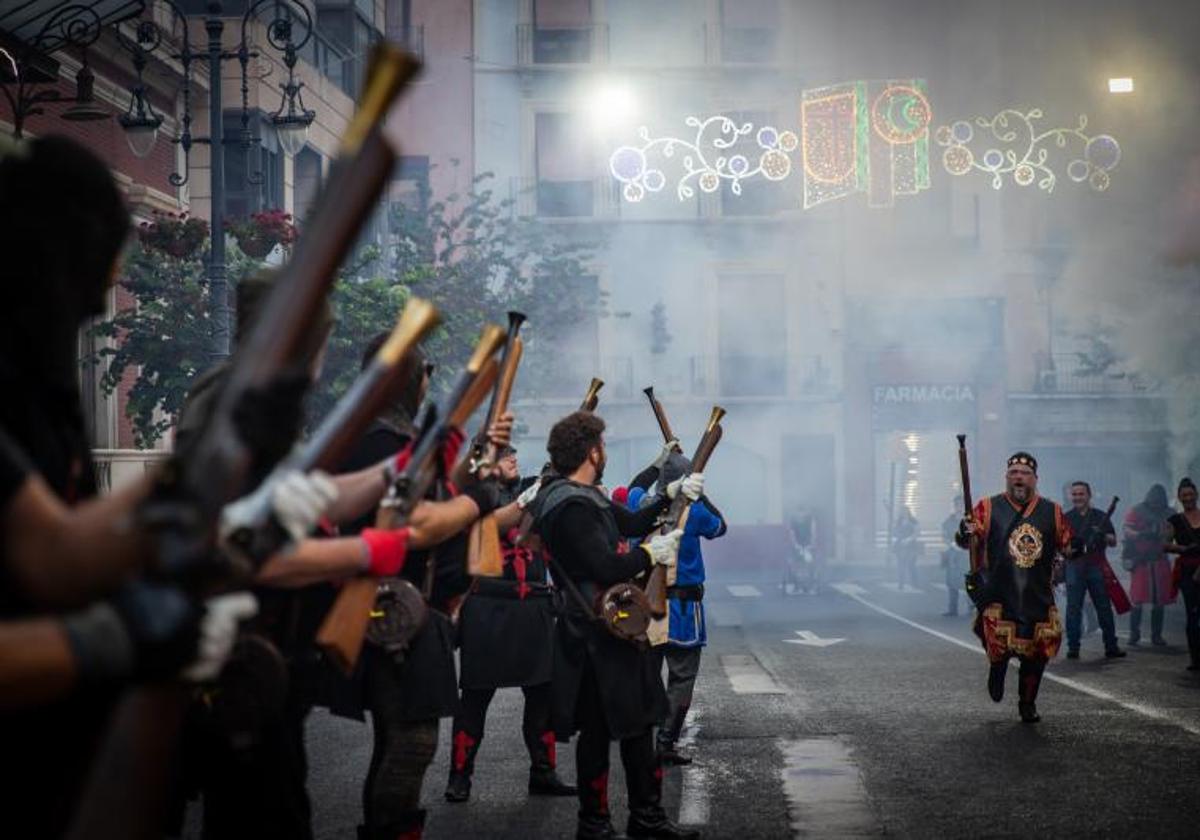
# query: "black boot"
996 675
544 781
669 755
1029 681
595 827
409 826
462 765
543 759
652 821
1135 626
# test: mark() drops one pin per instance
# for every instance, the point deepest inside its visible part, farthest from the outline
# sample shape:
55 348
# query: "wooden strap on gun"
975 548
125 794
345 626
656 585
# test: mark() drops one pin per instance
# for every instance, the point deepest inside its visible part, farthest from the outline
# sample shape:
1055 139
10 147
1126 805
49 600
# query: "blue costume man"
685 603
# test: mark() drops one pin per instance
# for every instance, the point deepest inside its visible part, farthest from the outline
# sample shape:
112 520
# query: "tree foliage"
469 254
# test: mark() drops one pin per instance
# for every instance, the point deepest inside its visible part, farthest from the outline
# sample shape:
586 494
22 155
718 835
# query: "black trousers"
1191 607
683 664
402 752
535 727
643 778
259 790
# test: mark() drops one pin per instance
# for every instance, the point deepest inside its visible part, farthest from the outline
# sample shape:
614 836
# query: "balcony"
1070 373
573 46
582 199
118 467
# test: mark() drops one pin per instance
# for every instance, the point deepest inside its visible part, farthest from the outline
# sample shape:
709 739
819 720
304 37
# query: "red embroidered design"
462 748
600 785
551 753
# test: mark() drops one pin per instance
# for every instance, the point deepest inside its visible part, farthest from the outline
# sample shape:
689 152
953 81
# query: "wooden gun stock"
342 632
656 585
482 452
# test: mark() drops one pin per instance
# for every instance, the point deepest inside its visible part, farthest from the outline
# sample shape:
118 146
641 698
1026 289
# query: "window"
410 184
261 162
563 158
355 34
752 336
748 30
306 181
760 196
562 31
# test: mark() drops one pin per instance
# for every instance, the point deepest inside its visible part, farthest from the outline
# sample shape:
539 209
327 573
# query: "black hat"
1023 459
505 451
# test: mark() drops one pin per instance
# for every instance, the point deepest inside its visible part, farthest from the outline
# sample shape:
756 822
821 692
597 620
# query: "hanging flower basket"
174 234
258 235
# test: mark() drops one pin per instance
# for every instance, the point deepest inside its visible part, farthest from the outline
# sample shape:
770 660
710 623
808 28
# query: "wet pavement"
858 712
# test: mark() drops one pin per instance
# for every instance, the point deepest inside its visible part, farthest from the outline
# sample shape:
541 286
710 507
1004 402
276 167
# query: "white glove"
691 484
528 494
668 447
664 547
218 631
299 500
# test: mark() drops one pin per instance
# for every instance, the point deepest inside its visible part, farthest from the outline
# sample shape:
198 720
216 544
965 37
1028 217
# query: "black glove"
146 632
963 536
485 494
1094 543
1078 547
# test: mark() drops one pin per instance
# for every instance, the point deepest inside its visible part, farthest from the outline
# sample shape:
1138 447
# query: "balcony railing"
117 467
585 198
1070 373
542 46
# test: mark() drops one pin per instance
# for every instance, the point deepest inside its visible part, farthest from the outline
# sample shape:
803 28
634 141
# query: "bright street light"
611 105
1121 85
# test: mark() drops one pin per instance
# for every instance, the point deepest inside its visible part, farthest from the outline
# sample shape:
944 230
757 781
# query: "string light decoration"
1024 152
705 159
865 136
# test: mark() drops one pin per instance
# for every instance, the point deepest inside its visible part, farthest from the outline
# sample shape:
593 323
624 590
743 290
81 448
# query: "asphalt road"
887 732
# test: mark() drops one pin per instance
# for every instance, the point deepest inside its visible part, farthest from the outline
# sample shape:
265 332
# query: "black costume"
406 698
1182 578
605 688
506 640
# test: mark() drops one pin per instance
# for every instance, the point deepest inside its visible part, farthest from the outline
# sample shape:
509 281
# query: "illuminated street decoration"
865 136
1023 152
705 159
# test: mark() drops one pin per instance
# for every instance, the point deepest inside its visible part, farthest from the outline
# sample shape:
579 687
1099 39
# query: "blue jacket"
687 617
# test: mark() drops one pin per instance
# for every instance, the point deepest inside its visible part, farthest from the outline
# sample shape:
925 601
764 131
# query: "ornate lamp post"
27 76
291 120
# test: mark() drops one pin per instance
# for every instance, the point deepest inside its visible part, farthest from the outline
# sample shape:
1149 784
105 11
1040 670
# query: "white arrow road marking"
1145 709
811 639
743 590
850 589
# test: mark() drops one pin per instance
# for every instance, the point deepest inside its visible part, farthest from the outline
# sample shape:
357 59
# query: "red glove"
450 448
386 550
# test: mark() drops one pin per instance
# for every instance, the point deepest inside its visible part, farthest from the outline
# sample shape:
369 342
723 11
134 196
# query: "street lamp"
291 120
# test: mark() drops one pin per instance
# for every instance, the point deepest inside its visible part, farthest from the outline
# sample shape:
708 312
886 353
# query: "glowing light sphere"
611 105
627 163
775 165
943 136
788 141
958 160
1023 175
1103 151
1078 170
901 114
655 180
1099 180
993 159
767 137
633 193
738 165
962 131
709 182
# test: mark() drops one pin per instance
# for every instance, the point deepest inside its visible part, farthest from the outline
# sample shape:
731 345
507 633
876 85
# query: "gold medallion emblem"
1025 545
